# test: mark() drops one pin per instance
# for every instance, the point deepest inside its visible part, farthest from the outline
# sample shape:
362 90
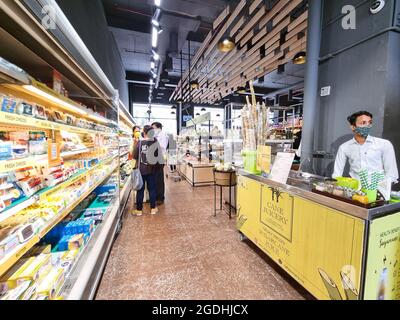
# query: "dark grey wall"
365 76
89 20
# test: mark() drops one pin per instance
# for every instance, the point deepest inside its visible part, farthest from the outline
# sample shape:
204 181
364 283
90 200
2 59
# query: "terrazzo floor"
184 252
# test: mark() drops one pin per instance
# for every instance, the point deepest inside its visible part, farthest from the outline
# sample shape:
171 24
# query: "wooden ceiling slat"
237 26
302 26
221 17
299 20
223 73
288 9
277 7
254 5
247 38
251 23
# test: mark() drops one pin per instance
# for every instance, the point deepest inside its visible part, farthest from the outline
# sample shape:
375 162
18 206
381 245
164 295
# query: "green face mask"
363 131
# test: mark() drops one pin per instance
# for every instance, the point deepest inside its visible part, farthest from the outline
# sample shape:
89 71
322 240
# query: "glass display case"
233 141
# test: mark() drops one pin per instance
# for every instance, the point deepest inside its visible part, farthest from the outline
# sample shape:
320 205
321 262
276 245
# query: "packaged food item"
32 272
40 112
8 104
18 292
76 241
8 240
51 284
361 199
37 143
29 293
6 150
10 279
60 117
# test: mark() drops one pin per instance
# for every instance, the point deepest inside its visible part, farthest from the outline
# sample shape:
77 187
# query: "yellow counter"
331 253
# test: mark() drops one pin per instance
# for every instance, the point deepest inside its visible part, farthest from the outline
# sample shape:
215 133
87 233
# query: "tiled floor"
184 252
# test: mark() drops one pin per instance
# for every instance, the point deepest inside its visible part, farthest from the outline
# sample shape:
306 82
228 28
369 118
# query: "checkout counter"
334 249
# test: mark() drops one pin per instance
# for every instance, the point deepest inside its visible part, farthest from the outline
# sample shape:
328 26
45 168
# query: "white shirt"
374 155
162 139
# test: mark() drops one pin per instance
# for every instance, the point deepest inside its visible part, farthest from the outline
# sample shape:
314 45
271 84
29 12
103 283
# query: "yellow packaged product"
29 293
9 280
76 242
16 293
32 272
70 255
51 285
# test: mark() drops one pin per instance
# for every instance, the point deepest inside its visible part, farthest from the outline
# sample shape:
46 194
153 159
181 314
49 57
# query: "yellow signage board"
319 247
382 279
277 211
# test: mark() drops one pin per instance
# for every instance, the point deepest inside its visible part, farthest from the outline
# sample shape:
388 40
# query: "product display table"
333 249
196 173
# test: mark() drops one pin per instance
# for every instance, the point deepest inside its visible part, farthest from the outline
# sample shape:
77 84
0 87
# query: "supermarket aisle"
186 253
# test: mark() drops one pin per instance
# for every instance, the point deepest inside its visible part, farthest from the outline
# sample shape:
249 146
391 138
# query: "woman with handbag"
146 153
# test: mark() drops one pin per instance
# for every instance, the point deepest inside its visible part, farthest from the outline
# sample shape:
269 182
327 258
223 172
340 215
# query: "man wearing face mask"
365 151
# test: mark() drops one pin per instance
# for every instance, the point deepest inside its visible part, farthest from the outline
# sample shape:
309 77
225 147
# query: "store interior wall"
359 76
89 20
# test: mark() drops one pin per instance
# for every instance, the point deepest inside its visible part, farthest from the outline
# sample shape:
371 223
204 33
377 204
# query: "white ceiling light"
154 39
157 3
152 65
153 74
155 23
151 82
156 56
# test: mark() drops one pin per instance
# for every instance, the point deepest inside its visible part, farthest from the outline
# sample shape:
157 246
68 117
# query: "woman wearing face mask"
365 151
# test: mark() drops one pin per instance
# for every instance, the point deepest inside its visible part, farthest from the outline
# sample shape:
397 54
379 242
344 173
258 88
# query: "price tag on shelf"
11 165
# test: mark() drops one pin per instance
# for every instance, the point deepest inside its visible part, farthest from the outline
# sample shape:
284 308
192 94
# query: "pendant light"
300 58
203 109
194 84
226 44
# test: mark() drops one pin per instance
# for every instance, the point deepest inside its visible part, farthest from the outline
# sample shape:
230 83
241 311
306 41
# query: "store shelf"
71 207
25 121
16 164
9 260
84 279
17 208
123 154
74 153
78 176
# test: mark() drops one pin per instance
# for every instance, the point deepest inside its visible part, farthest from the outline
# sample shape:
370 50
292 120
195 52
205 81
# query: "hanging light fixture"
300 58
218 115
197 114
173 112
173 107
203 109
194 84
226 44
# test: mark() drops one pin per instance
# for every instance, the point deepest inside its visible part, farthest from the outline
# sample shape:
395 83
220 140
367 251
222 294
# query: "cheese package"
29 293
17 292
32 272
70 256
9 280
76 242
51 285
